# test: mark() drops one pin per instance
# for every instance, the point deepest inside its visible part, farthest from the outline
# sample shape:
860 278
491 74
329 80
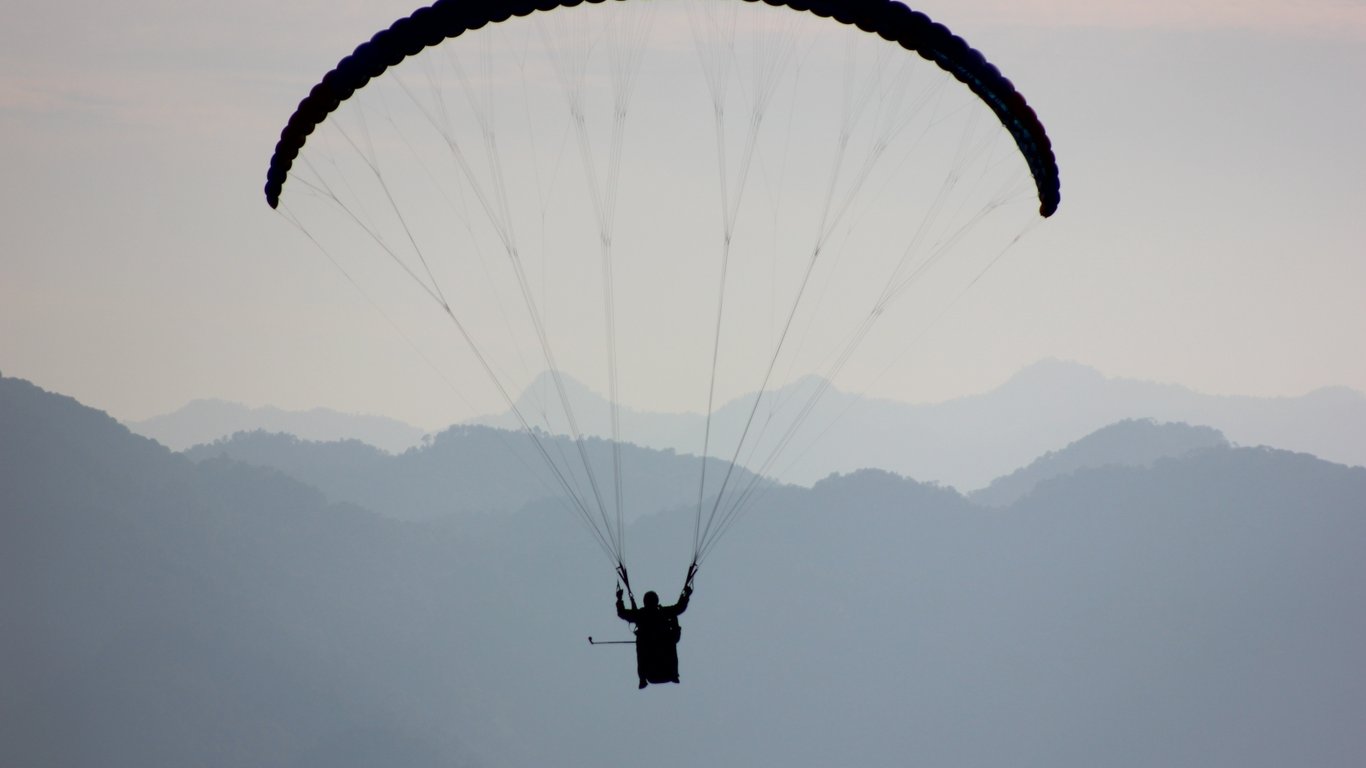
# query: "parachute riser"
626 580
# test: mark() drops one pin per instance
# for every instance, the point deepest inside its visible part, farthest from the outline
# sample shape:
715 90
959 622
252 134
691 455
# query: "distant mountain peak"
205 420
964 442
1128 443
1054 374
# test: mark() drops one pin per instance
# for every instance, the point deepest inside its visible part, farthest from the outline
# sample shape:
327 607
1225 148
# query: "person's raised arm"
682 604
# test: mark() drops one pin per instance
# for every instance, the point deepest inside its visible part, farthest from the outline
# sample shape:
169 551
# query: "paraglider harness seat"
657 653
657 633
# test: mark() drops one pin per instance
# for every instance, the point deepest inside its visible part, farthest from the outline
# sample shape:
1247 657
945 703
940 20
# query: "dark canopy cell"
891 20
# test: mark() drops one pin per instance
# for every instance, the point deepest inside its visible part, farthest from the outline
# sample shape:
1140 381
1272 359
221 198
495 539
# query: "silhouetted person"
657 634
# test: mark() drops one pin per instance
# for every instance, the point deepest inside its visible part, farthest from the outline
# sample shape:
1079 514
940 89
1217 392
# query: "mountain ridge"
167 611
473 470
969 441
965 442
1131 443
205 420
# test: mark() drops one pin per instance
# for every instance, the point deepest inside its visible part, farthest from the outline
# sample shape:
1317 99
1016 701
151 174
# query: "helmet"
651 600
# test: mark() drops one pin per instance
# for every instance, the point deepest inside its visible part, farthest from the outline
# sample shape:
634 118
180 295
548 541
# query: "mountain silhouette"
203 421
1200 609
164 612
965 442
469 470
1129 443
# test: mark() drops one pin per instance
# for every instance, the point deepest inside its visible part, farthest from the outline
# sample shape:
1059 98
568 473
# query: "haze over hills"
966 442
203 421
1198 610
468 471
471 470
970 441
1129 443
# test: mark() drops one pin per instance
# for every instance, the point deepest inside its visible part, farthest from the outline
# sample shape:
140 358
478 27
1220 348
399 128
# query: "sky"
1211 232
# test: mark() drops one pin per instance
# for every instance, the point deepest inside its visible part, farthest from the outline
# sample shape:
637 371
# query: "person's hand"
619 592
687 590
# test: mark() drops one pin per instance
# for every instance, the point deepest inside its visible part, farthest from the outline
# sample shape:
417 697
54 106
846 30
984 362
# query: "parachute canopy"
446 19
705 212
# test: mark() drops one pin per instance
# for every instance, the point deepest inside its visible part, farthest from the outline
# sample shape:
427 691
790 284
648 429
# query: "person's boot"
643 683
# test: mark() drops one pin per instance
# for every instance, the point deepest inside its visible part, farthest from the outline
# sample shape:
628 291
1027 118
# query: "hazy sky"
1212 231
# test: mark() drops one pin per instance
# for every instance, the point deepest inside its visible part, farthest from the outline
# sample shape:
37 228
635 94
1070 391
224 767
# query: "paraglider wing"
674 204
446 19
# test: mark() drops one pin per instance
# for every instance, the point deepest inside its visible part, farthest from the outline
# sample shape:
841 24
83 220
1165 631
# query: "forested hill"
203 421
966 442
162 612
969 441
1130 443
472 470
469 469
1202 610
